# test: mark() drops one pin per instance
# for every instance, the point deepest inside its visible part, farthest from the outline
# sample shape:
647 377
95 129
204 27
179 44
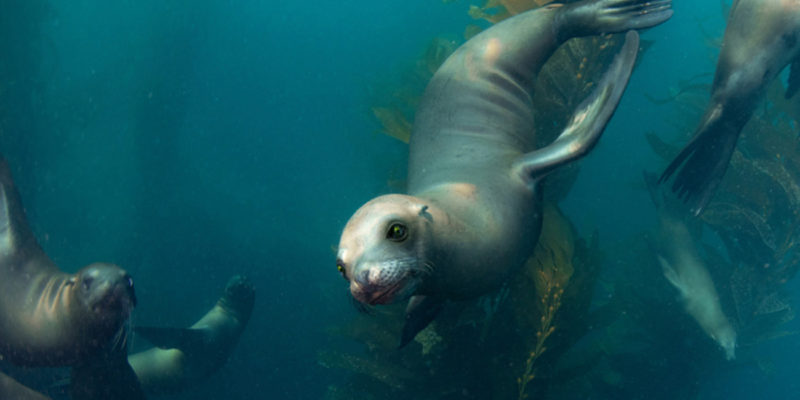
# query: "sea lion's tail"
699 167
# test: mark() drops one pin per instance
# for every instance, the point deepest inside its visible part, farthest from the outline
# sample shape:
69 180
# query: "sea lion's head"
726 337
105 293
383 251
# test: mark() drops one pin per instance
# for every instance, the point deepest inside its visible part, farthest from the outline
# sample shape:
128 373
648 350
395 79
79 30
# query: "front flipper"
420 312
672 276
700 166
588 121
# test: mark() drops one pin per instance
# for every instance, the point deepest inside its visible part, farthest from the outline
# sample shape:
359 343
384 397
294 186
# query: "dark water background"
190 141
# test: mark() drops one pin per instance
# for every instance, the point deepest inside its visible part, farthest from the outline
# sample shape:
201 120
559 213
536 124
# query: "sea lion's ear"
423 212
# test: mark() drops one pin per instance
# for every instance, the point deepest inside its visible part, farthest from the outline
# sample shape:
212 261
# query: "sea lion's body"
201 350
12 390
48 317
683 267
472 214
762 37
182 359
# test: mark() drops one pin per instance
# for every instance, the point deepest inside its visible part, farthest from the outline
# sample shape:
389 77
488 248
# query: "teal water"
190 141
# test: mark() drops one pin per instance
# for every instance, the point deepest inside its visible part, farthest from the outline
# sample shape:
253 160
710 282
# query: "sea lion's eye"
397 232
342 270
87 283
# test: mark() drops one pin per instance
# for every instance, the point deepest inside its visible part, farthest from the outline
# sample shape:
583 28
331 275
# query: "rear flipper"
594 17
588 121
702 163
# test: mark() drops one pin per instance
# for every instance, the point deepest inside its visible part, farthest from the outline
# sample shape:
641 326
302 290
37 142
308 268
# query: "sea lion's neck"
460 206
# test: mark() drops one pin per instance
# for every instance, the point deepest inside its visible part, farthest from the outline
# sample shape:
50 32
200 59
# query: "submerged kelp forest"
576 323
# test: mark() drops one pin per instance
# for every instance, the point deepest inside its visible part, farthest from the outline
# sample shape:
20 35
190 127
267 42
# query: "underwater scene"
262 200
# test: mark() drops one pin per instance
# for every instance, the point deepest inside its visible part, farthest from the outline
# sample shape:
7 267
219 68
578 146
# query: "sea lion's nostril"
363 277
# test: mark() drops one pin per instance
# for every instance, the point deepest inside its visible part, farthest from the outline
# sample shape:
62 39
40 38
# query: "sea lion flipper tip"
239 296
610 16
589 120
700 166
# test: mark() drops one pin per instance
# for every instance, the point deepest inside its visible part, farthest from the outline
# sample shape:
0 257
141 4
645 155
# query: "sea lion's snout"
383 283
107 288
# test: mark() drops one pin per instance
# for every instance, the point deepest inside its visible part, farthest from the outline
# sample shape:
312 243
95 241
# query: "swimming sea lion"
11 389
686 271
188 356
184 357
49 317
762 37
472 213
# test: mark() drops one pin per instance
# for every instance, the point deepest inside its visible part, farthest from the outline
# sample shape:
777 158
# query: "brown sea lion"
52 318
762 37
184 358
49 317
472 214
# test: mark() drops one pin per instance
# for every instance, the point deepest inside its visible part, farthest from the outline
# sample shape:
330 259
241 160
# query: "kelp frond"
550 268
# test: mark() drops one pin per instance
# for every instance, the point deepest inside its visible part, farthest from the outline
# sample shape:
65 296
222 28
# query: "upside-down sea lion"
472 210
685 270
49 317
187 356
762 37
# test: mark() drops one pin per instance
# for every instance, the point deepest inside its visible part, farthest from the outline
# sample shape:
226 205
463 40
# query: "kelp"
495 11
549 271
476 349
394 105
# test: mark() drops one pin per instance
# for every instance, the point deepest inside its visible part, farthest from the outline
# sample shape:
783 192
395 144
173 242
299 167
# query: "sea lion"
49 317
183 358
685 270
472 212
11 389
188 356
762 37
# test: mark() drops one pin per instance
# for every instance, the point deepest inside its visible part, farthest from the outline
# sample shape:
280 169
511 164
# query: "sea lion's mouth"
387 296
374 295
116 300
